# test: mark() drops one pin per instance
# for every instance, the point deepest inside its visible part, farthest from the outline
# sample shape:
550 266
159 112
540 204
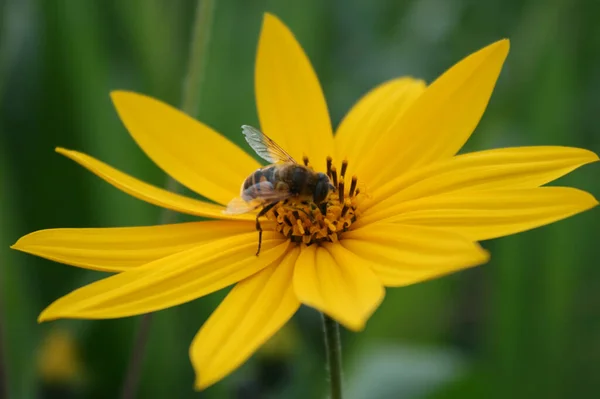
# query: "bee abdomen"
250 187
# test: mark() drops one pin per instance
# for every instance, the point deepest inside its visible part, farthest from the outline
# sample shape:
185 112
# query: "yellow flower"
421 210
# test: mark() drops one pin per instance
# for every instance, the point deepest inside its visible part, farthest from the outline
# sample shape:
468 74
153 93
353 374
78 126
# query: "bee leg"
308 215
262 212
323 208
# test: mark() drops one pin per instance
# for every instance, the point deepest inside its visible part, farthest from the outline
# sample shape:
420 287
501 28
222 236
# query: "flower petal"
122 248
170 281
371 120
489 214
512 168
147 192
191 152
441 120
401 254
337 283
254 310
291 106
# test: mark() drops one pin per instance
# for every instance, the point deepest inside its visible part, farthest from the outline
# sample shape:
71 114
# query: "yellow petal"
191 152
372 119
254 310
441 120
291 106
512 168
488 214
147 192
401 254
121 248
334 281
170 281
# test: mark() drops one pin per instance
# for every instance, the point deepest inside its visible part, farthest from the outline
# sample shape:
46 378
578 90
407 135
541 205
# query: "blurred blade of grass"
584 344
81 34
563 247
22 146
508 288
17 297
154 34
77 35
536 272
9 40
559 246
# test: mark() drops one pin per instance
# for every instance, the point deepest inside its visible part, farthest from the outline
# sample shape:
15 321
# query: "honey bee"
283 179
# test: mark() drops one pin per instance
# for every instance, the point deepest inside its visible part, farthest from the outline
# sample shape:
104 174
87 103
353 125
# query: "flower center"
303 221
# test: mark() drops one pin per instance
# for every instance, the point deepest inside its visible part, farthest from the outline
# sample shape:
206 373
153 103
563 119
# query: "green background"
526 325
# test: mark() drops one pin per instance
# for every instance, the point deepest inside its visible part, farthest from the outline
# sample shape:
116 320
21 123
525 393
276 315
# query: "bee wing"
238 206
266 148
264 192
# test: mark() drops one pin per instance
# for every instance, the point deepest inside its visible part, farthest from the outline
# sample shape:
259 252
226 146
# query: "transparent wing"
266 148
238 206
264 193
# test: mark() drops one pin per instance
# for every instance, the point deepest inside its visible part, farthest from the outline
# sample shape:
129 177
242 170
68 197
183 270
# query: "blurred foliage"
525 325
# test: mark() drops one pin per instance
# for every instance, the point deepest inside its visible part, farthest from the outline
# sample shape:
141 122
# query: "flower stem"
134 368
333 349
196 67
192 88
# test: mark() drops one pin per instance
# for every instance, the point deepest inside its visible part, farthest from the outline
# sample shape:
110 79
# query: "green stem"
134 368
333 349
192 88
196 68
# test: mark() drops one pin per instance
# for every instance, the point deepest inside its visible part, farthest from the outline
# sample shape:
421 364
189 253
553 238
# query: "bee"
282 179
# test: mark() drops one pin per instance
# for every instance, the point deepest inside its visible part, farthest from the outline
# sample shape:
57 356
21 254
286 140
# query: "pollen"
303 221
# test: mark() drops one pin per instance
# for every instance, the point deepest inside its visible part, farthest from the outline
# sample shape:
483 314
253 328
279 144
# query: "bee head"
322 188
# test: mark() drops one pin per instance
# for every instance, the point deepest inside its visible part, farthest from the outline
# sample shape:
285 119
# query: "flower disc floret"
303 221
